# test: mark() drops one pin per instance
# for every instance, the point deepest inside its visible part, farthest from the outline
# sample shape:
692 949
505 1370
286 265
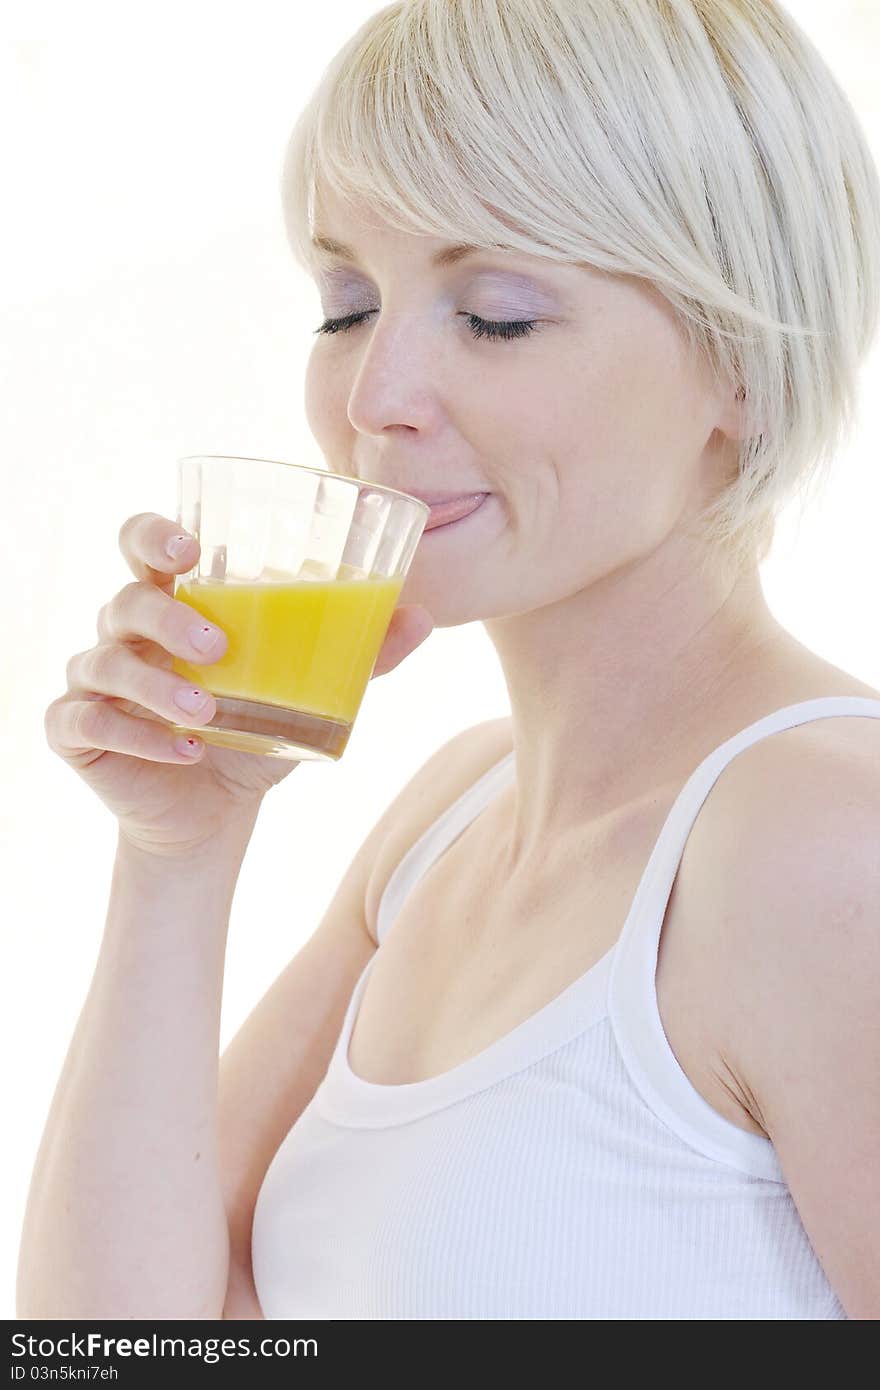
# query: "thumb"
410 625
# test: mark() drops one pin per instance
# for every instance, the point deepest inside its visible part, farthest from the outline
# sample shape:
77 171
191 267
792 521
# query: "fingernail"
203 636
191 747
191 700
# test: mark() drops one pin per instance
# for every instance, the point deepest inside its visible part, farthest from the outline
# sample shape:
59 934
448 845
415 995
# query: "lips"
442 513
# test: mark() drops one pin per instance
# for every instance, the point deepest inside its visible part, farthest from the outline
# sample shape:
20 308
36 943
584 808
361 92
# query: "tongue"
444 512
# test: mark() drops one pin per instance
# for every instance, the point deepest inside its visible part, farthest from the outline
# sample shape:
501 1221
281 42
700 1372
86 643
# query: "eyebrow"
446 256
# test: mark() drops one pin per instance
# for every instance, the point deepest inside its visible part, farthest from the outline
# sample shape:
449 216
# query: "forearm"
125 1217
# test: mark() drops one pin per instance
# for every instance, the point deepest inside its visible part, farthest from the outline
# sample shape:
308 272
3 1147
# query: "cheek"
325 398
621 461
629 420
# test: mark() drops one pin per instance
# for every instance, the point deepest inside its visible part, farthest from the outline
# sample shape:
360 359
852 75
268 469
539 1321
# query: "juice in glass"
306 647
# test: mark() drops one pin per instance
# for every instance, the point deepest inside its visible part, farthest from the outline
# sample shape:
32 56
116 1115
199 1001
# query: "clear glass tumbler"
302 569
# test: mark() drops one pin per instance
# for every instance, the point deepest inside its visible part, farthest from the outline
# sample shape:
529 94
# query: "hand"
111 724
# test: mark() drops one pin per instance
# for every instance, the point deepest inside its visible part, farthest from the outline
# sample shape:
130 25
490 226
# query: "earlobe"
734 420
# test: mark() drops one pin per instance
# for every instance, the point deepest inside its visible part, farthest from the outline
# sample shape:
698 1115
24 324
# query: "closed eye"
480 328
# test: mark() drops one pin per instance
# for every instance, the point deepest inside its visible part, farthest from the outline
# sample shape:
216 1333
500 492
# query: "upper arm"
800 954
274 1064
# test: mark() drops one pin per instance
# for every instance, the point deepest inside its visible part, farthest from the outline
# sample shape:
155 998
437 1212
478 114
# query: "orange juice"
308 644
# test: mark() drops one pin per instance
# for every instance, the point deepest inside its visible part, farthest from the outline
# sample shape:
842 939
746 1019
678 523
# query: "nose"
396 382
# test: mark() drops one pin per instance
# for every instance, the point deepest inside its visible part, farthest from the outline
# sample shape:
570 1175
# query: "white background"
151 309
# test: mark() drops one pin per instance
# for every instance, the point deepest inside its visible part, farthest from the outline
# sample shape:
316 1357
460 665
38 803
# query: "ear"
733 418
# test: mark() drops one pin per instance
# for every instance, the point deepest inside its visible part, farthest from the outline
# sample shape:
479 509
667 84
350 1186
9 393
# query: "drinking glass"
302 569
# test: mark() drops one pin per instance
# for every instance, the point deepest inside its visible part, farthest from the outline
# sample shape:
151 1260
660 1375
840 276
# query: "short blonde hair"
703 145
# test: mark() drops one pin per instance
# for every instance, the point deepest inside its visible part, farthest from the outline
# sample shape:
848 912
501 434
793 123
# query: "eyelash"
481 328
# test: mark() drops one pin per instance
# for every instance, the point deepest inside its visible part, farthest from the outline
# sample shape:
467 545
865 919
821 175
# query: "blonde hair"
703 145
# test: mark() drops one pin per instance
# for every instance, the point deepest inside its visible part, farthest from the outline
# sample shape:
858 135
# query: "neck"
622 687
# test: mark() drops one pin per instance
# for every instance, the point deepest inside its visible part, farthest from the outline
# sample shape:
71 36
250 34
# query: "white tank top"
570 1170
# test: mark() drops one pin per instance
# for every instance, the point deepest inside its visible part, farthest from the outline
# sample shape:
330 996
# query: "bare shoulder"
794 974
798 774
782 798
774 865
446 774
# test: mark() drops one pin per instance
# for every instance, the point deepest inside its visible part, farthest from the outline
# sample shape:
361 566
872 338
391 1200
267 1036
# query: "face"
593 433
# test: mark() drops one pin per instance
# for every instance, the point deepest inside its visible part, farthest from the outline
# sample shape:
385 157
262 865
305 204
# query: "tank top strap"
632 994
437 838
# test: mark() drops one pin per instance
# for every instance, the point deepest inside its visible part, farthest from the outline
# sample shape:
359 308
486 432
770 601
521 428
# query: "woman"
607 273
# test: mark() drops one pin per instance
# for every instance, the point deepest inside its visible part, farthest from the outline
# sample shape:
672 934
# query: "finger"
410 625
143 540
117 672
77 728
140 610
